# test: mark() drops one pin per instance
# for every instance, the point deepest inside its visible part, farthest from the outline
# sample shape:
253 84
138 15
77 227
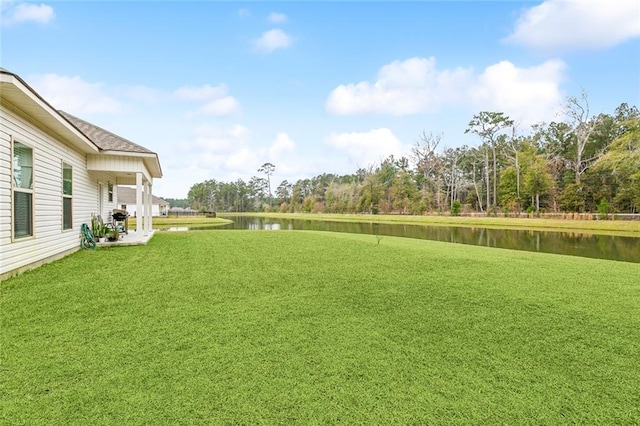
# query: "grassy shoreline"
183 221
622 228
603 227
317 327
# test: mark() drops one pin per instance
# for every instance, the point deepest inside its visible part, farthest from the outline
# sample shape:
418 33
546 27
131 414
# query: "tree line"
582 164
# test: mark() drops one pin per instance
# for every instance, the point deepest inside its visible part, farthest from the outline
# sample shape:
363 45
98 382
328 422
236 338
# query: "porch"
133 238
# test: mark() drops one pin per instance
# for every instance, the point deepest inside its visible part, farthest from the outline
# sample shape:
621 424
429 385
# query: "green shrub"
456 207
603 209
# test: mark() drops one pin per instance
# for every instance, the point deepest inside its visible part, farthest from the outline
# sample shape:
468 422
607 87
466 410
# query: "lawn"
259 327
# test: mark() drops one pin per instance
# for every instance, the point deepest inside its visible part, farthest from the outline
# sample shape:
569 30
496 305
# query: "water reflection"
571 243
266 226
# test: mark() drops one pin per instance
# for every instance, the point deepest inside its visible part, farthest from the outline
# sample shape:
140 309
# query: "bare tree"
428 162
577 110
424 153
511 151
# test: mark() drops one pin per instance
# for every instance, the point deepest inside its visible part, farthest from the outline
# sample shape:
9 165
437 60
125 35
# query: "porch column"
139 216
150 207
145 216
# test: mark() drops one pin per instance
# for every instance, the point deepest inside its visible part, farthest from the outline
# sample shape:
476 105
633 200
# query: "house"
127 201
57 172
180 211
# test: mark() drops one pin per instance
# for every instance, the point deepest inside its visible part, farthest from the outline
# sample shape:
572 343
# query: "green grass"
259 327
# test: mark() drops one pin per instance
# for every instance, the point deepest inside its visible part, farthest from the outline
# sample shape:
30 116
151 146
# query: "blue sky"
219 88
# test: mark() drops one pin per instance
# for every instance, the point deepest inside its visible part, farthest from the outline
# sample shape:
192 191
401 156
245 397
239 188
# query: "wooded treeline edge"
582 164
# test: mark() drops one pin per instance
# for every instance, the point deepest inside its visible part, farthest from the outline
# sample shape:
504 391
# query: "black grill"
120 218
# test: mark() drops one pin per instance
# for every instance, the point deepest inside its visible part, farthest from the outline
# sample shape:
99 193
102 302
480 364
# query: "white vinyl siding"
102 182
6 195
67 170
49 153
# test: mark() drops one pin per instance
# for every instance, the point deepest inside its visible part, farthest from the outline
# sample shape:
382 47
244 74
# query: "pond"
610 247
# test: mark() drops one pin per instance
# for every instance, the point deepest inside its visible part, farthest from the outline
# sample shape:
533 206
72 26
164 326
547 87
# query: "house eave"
150 160
20 98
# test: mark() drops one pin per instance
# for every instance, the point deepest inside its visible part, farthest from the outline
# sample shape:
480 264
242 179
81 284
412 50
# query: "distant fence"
568 216
183 212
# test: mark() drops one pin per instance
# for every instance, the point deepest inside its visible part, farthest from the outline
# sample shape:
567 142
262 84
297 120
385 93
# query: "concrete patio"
133 238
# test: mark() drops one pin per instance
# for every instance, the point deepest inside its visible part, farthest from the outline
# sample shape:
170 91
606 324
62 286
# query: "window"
67 196
110 191
22 190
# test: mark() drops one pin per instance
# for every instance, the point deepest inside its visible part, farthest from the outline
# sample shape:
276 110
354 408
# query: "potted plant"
103 232
99 229
96 227
114 234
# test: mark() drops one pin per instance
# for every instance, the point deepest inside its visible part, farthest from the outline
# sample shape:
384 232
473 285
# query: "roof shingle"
104 139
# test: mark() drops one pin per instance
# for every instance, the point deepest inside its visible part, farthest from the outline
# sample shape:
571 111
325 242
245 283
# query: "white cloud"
366 148
217 102
210 146
416 86
528 95
26 12
202 93
244 13
240 160
239 132
228 153
148 95
272 40
573 24
210 139
223 151
277 18
74 95
402 88
220 107
281 144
